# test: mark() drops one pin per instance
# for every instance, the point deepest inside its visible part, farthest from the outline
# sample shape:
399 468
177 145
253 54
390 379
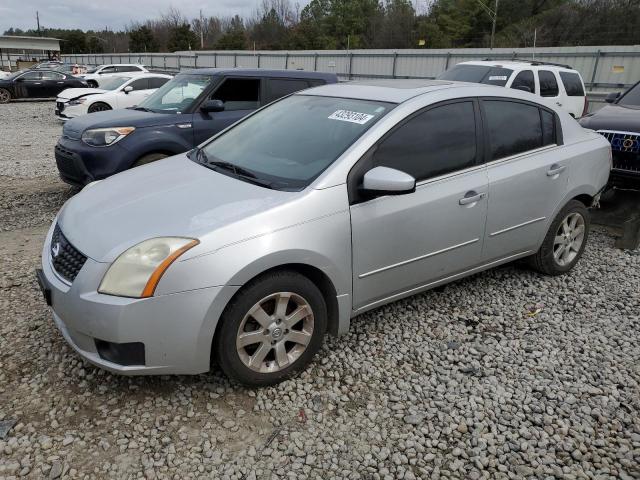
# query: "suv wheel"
565 241
5 95
271 329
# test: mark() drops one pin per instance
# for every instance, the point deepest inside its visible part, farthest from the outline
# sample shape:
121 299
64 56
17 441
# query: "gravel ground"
506 374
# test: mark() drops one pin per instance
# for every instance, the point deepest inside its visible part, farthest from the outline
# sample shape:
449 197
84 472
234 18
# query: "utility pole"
38 22
201 31
493 14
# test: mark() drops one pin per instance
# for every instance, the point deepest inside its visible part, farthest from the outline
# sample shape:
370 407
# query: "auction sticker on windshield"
349 116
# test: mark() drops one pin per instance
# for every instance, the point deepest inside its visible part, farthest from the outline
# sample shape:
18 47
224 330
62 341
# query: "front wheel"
5 95
99 107
565 241
271 330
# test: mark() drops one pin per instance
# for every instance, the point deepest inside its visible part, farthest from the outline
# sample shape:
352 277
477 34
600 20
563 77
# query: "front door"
30 85
403 243
241 96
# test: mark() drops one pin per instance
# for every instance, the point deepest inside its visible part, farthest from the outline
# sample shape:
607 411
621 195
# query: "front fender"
164 138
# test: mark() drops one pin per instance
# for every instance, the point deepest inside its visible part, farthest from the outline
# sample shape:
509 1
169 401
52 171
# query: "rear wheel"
92 83
271 329
149 158
5 95
99 107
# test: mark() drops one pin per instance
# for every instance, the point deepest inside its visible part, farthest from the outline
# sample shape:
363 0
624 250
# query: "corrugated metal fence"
603 68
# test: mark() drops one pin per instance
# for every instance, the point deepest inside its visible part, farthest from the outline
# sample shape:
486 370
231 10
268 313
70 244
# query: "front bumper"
175 331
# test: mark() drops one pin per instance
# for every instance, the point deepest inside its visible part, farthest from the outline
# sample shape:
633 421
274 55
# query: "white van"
559 83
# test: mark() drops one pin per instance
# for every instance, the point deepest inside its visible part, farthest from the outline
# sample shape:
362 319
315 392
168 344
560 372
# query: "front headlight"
77 101
137 271
103 137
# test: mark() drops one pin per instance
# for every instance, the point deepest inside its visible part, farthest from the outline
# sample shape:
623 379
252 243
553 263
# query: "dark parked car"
37 84
180 115
619 122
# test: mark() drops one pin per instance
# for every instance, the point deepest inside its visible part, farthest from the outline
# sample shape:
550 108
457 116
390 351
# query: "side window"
239 93
548 128
572 84
52 76
127 68
548 84
140 84
109 69
438 141
32 76
513 127
157 82
279 87
524 79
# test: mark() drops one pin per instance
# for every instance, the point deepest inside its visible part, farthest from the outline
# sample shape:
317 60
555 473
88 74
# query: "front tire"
99 107
565 241
92 83
5 95
271 330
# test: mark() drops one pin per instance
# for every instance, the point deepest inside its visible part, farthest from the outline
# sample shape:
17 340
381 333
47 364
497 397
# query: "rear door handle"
555 170
471 197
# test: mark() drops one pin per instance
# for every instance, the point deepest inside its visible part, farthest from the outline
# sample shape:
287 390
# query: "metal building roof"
11 42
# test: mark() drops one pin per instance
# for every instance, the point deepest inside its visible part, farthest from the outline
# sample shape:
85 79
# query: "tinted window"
110 69
140 84
548 84
32 76
631 97
572 84
157 82
525 79
513 127
127 68
478 74
438 141
52 76
239 93
548 128
280 87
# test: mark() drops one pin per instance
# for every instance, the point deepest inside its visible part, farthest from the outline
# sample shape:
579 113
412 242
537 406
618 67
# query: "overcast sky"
115 14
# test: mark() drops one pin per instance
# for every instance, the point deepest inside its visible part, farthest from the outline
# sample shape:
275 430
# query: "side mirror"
212 106
387 181
524 88
612 97
127 89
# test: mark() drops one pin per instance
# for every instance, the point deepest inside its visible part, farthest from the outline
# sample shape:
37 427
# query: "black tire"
544 261
234 320
5 95
92 83
99 107
149 158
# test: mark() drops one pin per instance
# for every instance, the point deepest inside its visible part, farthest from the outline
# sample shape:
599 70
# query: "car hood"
71 93
171 197
124 117
613 117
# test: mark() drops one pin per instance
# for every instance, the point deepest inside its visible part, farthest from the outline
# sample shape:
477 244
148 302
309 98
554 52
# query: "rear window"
478 74
572 84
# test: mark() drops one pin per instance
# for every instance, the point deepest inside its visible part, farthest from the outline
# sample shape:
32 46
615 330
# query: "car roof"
261 72
519 64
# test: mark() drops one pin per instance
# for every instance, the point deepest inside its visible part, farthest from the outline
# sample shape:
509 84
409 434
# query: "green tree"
181 37
235 37
270 33
141 39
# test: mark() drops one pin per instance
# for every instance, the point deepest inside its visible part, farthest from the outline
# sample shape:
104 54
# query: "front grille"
66 260
60 106
625 150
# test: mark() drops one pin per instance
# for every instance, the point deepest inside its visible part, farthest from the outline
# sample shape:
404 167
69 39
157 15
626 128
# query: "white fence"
603 68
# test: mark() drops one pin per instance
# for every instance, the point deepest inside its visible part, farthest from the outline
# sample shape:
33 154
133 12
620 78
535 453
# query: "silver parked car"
312 210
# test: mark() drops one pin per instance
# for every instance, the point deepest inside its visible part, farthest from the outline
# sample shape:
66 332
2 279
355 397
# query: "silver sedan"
314 209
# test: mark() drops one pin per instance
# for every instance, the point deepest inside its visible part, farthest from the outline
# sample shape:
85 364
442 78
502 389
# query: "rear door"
527 175
240 95
574 92
53 83
549 87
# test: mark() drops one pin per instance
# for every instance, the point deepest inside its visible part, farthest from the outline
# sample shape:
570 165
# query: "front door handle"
555 170
471 197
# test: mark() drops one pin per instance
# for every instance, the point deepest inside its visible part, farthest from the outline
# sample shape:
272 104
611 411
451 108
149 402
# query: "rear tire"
92 83
565 241
149 158
5 95
99 107
271 329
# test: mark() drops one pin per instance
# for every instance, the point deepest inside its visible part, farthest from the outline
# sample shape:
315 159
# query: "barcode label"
349 116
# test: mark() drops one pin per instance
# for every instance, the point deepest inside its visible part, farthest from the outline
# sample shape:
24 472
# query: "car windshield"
111 83
288 144
177 94
632 97
478 74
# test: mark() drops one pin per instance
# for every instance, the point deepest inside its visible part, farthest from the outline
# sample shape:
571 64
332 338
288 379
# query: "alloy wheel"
275 332
5 96
569 239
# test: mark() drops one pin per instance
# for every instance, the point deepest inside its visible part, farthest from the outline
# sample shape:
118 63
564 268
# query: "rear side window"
140 84
438 141
572 84
127 68
512 127
239 93
548 127
157 82
524 79
52 76
280 87
548 84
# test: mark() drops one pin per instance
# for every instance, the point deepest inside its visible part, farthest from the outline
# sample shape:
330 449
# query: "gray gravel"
503 375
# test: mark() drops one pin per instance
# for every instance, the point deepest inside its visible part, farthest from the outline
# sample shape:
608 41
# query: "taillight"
586 106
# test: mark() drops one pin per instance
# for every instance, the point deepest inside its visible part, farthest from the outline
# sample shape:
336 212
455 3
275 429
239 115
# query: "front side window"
513 127
52 76
631 98
548 84
178 94
289 143
436 142
478 74
109 69
32 76
239 93
524 79
281 87
140 84
112 83
157 82
572 84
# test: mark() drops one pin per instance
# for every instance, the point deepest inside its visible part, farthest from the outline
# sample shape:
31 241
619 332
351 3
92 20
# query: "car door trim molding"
416 259
523 224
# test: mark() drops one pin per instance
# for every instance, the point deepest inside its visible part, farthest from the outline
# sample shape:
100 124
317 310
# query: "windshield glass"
478 74
288 144
111 83
632 97
177 94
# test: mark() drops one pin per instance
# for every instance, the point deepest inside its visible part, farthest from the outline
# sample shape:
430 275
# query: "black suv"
183 113
620 124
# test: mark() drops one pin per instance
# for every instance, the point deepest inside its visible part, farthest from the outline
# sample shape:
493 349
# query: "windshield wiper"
142 109
230 166
242 173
